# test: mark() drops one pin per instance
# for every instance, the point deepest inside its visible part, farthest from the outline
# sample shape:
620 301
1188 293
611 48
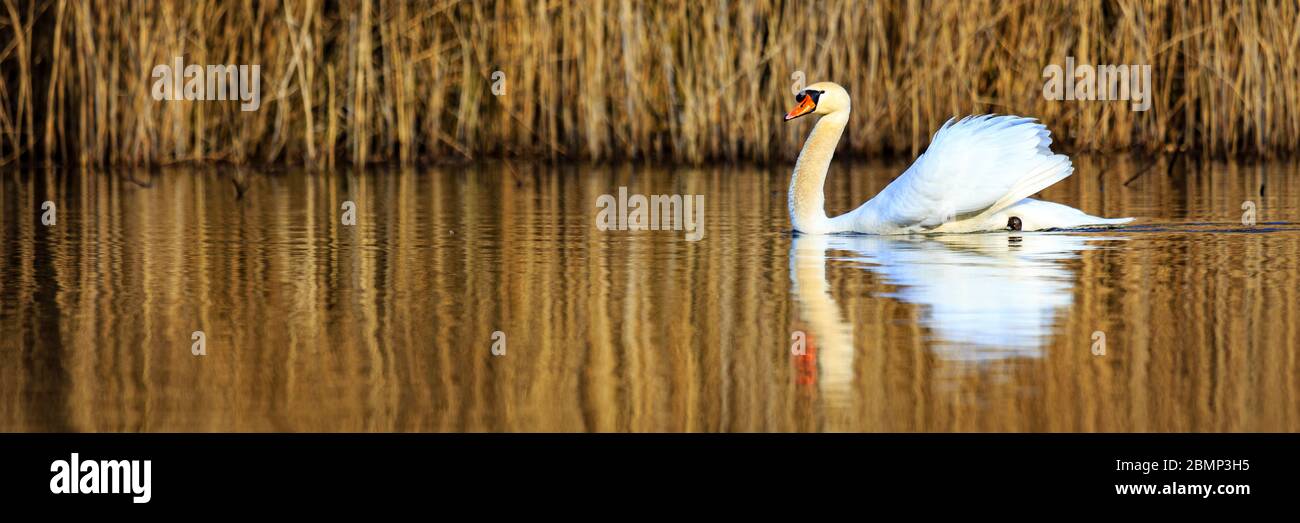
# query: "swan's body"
977 175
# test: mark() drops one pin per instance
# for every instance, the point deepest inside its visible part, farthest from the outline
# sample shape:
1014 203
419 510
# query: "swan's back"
973 168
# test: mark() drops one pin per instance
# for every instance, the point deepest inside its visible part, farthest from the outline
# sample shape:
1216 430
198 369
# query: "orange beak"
806 106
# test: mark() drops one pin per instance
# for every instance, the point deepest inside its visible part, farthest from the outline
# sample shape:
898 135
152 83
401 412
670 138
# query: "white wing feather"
973 167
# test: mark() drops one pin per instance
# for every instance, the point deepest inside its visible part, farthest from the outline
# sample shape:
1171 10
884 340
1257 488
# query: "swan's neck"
807 201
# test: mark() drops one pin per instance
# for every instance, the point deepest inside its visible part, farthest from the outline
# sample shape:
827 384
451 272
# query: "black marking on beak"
1014 224
815 94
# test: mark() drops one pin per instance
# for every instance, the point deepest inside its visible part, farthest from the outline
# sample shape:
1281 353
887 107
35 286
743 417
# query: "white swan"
977 175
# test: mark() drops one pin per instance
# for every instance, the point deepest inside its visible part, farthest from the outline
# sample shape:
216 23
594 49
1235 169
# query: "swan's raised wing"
978 165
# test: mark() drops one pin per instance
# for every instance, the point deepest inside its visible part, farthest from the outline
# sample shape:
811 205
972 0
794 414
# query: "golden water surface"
1188 321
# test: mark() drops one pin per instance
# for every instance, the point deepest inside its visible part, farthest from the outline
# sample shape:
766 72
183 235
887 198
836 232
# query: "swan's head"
819 98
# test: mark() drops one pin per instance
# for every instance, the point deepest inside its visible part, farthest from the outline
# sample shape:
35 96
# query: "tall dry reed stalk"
410 80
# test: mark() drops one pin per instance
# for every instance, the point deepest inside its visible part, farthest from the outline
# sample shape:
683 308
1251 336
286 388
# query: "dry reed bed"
409 81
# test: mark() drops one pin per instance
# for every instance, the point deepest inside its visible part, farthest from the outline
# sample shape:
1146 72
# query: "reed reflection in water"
386 325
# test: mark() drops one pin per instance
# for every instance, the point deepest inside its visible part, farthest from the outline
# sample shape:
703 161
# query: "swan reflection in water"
982 297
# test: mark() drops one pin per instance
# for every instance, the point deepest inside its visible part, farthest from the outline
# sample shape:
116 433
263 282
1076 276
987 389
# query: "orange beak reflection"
805 106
